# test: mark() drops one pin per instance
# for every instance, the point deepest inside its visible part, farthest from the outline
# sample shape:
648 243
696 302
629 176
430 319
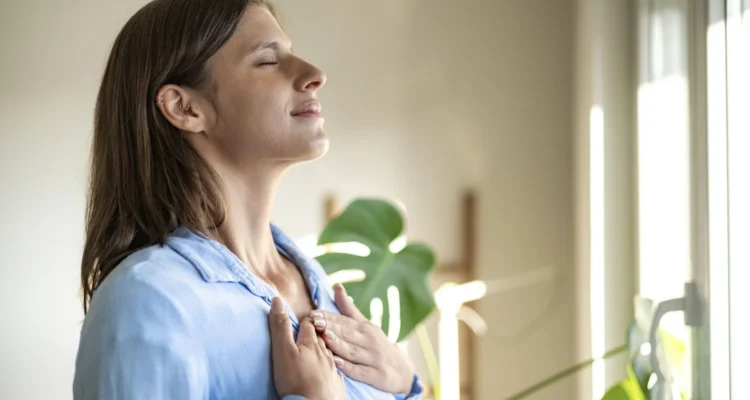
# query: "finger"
349 351
358 372
346 328
325 352
282 339
322 344
329 358
345 304
307 336
322 319
340 374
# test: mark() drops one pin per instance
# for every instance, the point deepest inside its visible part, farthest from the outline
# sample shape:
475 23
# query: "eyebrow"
268 44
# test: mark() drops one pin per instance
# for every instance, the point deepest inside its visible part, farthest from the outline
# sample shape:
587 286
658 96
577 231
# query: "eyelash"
268 63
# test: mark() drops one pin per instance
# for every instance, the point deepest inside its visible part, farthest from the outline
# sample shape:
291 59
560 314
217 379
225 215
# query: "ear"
184 108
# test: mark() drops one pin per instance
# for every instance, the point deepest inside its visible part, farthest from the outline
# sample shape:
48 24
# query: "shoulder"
151 287
139 335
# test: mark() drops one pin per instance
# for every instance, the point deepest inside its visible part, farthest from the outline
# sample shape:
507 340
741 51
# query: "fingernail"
341 288
339 361
351 299
319 323
329 334
277 307
315 314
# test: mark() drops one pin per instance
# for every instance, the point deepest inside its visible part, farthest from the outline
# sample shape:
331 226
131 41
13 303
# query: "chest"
291 286
237 345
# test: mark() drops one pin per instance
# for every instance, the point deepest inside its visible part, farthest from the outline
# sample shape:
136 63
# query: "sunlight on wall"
596 201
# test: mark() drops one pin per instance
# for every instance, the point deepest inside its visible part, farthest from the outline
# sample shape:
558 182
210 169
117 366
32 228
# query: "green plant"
376 223
637 384
567 372
627 389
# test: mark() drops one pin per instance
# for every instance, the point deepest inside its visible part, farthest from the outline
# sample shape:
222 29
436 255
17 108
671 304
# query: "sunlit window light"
738 97
476 323
718 224
394 314
453 295
309 245
398 244
376 312
346 276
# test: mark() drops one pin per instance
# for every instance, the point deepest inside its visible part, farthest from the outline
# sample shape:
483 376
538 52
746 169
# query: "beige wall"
424 98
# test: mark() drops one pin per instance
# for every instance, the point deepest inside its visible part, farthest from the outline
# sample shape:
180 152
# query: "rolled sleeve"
415 393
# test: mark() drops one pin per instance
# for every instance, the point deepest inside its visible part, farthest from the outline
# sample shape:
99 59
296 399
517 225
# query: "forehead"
258 25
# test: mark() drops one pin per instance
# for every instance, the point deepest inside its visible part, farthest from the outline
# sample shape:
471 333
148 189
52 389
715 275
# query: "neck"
246 230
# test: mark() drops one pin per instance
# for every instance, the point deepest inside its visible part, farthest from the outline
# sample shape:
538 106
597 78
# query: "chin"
314 148
319 147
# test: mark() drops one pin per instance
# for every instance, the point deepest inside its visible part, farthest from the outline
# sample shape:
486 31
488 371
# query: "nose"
312 78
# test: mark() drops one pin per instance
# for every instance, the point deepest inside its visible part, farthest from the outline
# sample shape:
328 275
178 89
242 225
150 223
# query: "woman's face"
264 106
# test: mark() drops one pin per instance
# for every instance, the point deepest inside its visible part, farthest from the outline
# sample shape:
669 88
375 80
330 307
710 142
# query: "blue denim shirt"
189 321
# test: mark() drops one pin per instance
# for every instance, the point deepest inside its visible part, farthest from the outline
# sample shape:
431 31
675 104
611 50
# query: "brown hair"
145 179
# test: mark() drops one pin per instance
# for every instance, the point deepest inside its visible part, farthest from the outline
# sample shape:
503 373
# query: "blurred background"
578 158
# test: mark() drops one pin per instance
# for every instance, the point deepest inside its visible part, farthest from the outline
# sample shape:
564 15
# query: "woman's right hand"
305 368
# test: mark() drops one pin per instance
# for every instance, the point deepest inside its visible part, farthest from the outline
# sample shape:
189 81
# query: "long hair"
146 180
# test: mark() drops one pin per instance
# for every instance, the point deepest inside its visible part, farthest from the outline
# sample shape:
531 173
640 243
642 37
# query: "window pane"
738 104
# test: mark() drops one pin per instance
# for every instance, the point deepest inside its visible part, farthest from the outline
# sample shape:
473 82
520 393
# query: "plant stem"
566 373
428 352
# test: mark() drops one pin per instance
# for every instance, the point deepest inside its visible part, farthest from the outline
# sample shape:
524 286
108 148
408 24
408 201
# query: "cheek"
267 109
255 122
255 117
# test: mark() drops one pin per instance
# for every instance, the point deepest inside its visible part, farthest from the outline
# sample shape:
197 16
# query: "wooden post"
469 259
331 208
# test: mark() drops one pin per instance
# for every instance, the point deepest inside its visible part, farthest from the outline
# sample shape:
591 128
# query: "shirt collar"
216 263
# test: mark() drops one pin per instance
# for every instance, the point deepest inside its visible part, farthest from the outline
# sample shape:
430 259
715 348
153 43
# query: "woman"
202 108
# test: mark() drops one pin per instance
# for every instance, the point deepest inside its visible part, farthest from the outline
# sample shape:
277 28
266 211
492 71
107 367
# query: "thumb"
282 339
345 304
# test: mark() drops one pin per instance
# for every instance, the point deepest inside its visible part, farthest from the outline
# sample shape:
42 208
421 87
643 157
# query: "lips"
308 108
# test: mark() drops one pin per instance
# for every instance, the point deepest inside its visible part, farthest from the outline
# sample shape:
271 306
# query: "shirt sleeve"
415 393
137 343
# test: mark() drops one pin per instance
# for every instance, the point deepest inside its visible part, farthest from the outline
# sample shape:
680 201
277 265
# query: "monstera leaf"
376 224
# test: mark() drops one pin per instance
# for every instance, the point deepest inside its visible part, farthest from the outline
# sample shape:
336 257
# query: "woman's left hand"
361 349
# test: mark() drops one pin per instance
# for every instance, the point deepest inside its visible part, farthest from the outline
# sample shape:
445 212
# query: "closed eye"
268 61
